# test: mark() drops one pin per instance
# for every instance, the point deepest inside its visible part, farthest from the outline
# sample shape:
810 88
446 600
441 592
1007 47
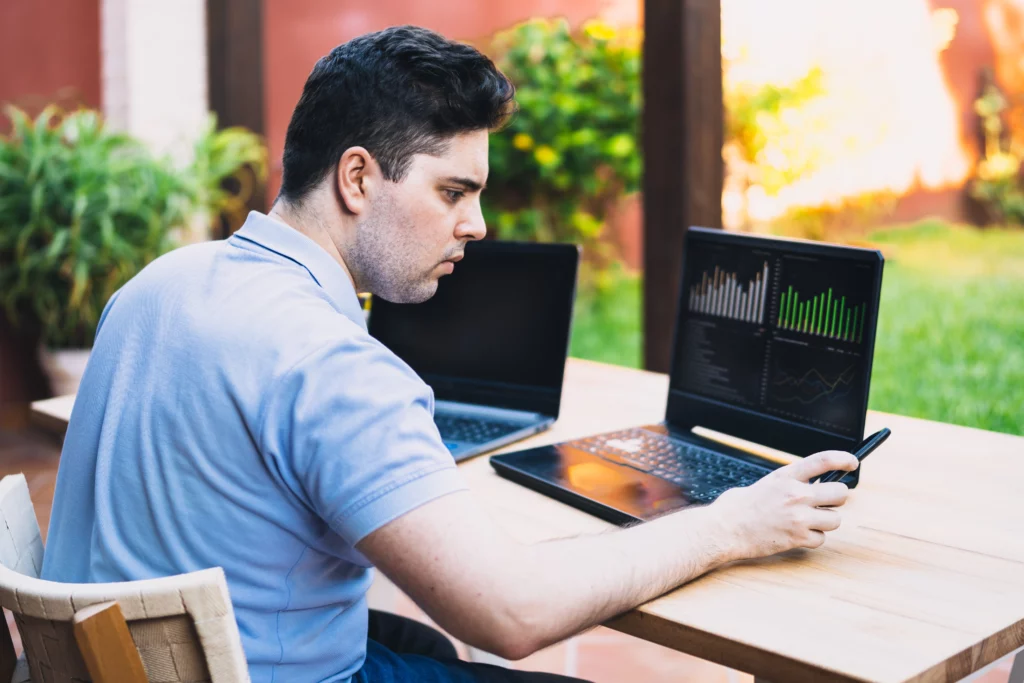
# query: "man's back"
226 419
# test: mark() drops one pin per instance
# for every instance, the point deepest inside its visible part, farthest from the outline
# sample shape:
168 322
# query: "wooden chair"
178 629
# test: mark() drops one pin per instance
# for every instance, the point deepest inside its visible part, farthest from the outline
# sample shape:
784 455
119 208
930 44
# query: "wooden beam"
234 43
106 645
683 131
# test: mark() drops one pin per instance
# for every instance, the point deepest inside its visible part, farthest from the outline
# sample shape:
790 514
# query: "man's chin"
412 295
424 294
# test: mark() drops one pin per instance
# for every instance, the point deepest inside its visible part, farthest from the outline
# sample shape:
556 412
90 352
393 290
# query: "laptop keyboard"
472 430
702 474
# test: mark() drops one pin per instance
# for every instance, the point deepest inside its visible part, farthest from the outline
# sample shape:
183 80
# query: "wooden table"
923 582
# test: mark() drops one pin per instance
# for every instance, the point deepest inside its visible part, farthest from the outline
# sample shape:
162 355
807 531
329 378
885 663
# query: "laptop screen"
497 330
781 330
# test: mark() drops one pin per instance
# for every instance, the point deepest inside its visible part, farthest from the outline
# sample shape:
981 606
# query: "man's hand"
514 599
783 511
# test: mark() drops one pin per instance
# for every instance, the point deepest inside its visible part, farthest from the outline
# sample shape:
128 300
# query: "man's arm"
514 599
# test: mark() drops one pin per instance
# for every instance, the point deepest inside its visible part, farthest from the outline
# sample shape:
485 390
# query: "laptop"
491 343
773 344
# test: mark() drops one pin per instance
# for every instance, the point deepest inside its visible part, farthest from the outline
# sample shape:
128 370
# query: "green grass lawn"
950 343
607 320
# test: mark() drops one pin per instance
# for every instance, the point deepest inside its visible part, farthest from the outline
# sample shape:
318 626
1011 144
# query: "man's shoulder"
336 345
243 309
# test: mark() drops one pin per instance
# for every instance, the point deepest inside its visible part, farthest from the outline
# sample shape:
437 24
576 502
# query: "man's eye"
454 195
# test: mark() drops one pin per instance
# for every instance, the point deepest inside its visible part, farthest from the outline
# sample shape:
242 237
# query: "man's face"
416 229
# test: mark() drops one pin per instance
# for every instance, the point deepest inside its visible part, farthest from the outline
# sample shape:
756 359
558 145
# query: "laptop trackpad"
622 488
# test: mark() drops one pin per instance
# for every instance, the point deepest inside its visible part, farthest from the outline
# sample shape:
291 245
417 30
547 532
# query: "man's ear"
357 173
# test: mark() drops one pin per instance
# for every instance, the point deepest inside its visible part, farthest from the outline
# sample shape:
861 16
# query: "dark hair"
397 92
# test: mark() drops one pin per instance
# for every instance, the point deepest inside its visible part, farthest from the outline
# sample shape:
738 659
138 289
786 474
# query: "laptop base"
619 493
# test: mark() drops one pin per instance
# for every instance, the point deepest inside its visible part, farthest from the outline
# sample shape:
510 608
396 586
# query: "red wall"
49 50
299 32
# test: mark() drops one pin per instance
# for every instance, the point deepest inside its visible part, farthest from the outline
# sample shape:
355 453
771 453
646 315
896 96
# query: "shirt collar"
282 239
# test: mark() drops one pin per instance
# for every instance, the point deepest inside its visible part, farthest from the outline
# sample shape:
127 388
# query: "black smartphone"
861 451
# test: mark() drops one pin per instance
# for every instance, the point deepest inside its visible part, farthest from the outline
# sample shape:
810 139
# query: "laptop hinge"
481 411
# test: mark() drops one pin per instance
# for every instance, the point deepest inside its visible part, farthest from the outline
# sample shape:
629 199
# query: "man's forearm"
513 599
572 584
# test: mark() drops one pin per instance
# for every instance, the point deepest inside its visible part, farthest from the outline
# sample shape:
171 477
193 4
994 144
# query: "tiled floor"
600 655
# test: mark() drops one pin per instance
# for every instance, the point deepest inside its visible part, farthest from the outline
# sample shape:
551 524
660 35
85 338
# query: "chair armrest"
106 644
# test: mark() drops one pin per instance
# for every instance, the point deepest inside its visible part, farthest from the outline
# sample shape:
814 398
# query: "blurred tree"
572 149
997 180
764 131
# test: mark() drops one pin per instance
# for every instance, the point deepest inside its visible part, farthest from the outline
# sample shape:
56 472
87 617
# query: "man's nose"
472 226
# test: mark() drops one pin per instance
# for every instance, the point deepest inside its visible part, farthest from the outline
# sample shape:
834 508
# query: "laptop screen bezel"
686 410
531 398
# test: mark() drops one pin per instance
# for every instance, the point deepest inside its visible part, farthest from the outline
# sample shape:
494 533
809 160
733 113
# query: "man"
236 413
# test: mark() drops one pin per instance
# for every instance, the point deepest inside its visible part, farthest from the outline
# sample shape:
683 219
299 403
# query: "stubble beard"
386 259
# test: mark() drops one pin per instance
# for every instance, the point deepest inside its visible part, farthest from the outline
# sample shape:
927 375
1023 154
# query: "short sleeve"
350 428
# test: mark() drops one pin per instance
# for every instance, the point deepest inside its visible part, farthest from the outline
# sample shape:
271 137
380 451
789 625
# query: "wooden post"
683 131
234 41
106 645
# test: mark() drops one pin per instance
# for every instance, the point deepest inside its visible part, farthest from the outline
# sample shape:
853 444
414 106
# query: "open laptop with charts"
491 343
773 344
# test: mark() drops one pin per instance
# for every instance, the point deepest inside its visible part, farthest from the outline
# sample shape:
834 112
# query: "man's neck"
311 226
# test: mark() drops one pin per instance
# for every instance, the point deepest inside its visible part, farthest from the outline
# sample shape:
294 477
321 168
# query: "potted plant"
82 210
227 167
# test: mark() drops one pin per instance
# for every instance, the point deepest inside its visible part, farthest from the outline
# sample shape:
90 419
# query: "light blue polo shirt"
236 413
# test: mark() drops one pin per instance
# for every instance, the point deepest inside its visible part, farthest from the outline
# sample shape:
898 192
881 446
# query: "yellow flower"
522 142
999 166
545 156
586 224
598 30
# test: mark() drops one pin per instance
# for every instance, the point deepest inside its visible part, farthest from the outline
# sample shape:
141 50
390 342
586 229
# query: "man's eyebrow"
468 183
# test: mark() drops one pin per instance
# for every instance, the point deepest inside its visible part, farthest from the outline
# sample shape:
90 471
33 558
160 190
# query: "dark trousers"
401 650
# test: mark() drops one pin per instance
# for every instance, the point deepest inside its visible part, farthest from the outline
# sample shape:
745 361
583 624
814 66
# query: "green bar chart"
824 314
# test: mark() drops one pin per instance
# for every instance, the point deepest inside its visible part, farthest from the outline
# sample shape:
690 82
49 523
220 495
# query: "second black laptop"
773 344
491 343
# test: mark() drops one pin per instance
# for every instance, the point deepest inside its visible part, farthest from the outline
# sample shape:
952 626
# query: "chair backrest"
183 626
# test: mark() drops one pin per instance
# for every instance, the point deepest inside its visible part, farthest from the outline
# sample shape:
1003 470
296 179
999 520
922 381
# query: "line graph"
814 386
817 386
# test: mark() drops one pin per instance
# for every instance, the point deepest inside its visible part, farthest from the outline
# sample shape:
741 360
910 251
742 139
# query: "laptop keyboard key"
703 474
472 430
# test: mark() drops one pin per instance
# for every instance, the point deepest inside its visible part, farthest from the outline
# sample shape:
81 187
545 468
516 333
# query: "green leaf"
56 247
80 283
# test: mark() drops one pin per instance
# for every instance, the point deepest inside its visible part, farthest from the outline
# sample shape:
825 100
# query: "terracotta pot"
64 368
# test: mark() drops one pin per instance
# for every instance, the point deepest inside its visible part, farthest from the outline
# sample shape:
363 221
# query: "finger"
815 539
819 463
824 520
832 494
